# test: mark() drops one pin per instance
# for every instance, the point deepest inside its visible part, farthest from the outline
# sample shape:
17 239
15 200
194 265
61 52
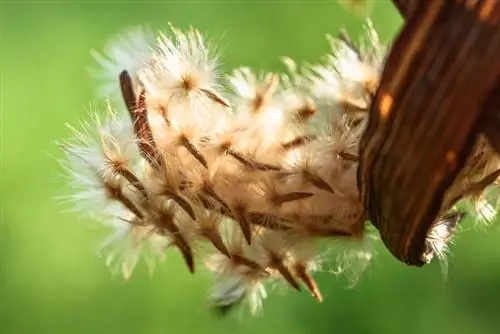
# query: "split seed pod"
424 147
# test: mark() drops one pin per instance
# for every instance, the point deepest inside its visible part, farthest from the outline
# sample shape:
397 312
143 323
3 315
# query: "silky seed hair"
254 183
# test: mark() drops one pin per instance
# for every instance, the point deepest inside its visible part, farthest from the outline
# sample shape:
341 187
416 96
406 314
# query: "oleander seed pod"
430 141
252 176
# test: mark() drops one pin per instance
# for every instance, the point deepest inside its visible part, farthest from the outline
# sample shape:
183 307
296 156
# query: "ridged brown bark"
427 114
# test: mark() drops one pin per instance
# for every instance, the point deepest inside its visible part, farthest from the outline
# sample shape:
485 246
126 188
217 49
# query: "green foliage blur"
50 278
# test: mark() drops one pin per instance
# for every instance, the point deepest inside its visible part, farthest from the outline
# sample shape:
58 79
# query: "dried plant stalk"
445 61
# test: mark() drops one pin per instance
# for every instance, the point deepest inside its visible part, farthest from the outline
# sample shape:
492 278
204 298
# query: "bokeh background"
50 279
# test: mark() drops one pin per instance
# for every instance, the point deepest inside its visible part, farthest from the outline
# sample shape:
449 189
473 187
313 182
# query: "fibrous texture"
251 175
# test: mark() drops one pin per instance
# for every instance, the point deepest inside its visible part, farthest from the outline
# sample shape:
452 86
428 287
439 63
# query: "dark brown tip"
348 156
214 237
277 264
281 199
184 141
319 182
216 97
245 225
297 142
183 203
187 254
251 164
127 91
309 281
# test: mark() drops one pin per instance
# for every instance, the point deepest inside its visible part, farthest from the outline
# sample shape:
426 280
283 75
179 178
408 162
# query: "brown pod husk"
425 119
407 7
491 108
491 118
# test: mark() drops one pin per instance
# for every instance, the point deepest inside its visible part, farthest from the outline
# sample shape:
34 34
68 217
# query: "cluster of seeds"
245 176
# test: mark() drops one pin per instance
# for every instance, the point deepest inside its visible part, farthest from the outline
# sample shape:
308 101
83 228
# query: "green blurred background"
50 279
